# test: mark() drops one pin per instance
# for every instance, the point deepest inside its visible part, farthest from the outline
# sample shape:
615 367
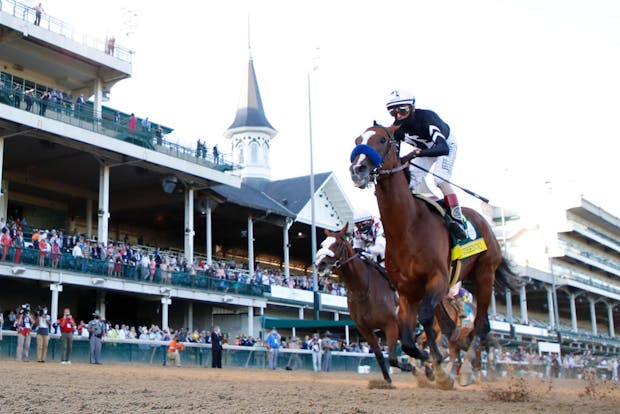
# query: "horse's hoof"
466 379
445 383
406 367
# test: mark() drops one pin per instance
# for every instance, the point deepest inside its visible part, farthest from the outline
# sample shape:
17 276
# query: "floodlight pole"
315 279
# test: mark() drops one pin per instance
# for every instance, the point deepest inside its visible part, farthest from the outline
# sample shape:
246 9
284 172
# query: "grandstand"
82 170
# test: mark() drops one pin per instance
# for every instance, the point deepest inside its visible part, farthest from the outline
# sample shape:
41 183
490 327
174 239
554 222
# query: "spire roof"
250 112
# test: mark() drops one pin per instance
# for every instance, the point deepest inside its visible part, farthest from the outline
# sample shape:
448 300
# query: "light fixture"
97 281
169 183
18 270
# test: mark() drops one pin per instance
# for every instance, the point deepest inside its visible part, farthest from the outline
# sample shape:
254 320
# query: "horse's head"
371 152
333 250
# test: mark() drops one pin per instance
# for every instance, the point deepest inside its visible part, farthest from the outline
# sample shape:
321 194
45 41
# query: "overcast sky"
530 88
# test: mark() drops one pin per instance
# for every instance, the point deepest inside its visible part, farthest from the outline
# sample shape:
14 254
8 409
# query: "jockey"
368 236
432 142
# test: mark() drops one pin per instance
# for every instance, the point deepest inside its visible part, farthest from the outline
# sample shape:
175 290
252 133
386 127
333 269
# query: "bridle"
341 252
372 154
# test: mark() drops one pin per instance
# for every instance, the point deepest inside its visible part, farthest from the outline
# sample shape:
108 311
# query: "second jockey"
368 236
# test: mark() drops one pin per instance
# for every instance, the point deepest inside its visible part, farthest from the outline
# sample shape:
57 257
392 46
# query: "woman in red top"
55 254
42 251
6 241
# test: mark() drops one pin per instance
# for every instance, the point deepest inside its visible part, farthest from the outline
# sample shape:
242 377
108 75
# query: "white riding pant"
440 166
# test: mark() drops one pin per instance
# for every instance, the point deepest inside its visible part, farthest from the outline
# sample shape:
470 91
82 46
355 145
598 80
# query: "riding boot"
454 217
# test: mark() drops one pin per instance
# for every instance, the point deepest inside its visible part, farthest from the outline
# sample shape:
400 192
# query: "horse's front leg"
427 318
374 345
407 320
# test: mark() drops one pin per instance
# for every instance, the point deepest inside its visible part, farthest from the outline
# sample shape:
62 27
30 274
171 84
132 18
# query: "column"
165 302
98 92
89 219
188 250
523 306
4 197
493 304
104 204
250 247
208 231
550 306
287 245
55 288
189 322
610 319
509 306
101 303
251 321
573 312
593 315
300 316
4 190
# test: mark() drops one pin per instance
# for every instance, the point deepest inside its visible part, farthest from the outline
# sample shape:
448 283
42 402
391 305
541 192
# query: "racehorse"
418 245
371 297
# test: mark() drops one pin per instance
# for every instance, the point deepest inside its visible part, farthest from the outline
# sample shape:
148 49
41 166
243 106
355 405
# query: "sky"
530 88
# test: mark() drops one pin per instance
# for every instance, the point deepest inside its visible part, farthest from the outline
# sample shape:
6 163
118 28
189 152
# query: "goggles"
399 110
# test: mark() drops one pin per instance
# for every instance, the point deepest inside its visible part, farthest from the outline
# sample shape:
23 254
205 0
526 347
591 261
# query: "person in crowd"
44 325
6 242
174 350
274 341
67 326
96 330
216 154
38 12
216 347
109 47
29 99
434 148
17 95
43 102
133 123
1 324
316 346
42 250
19 245
79 105
329 345
24 324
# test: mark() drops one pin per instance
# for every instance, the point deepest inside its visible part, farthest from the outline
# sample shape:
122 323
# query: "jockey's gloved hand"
358 250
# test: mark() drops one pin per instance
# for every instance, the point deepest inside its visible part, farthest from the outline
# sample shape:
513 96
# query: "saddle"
460 249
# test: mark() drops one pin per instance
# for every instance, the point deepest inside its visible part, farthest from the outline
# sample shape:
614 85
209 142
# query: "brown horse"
418 245
371 298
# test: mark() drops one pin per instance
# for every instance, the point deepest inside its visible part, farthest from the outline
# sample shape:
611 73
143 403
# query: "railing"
27 13
98 267
83 116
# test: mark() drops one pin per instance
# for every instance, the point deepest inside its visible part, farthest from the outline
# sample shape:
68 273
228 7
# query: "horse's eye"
383 140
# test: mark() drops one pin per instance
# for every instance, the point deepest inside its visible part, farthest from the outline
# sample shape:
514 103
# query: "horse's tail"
506 278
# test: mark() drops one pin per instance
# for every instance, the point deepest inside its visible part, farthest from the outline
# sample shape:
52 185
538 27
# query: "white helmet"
361 215
400 97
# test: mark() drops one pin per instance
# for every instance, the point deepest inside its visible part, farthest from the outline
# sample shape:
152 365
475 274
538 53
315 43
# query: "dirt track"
54 388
